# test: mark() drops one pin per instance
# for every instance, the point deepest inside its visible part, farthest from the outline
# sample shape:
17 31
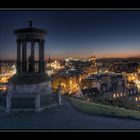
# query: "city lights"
7 71
114 95
119 95
87 60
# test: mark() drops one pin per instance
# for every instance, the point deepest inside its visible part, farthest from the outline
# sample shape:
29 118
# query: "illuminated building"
91 82
3 89
103 82
92 59
68 84
89 65
69 81
6 71
55 65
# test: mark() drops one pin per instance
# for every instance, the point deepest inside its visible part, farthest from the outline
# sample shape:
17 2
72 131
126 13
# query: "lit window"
136 99
114 95
70 82
4 88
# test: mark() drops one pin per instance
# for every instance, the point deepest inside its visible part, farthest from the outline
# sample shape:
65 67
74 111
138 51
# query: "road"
63 117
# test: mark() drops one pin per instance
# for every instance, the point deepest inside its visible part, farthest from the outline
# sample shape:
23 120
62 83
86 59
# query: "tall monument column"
32 57
18 56
24 57
41 56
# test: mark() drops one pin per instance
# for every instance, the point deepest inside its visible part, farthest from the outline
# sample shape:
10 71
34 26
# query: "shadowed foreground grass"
105 110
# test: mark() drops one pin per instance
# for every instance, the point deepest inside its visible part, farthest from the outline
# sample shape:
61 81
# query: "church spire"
49 60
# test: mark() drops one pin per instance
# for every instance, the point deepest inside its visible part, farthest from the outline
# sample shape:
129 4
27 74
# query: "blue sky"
76 33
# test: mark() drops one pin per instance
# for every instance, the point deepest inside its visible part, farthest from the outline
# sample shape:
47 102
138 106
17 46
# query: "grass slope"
100 109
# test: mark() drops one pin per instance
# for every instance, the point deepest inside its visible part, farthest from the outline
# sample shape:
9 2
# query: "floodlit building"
69 80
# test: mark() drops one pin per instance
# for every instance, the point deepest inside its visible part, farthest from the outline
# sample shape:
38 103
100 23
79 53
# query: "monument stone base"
29 92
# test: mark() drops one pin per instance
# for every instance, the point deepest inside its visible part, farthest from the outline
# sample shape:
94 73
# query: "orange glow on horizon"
81 55
98 55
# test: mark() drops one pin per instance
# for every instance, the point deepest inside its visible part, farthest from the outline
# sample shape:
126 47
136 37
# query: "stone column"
37 103
18 56
41 56
43 59
8 103
32 57
24 57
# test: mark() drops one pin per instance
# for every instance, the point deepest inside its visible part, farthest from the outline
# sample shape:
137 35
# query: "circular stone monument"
28 82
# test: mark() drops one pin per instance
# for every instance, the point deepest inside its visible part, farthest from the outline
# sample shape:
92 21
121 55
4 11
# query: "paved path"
64 117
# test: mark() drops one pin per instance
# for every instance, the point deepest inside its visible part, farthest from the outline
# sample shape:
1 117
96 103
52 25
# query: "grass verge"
99 109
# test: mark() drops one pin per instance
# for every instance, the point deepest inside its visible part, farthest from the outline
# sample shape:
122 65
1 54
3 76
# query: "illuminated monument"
28 84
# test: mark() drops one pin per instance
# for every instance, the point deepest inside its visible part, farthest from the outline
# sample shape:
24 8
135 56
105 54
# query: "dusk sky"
77 34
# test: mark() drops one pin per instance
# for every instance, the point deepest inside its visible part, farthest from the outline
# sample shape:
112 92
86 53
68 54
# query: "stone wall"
32 88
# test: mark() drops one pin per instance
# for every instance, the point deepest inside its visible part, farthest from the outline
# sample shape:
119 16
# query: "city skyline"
46 91
77 34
